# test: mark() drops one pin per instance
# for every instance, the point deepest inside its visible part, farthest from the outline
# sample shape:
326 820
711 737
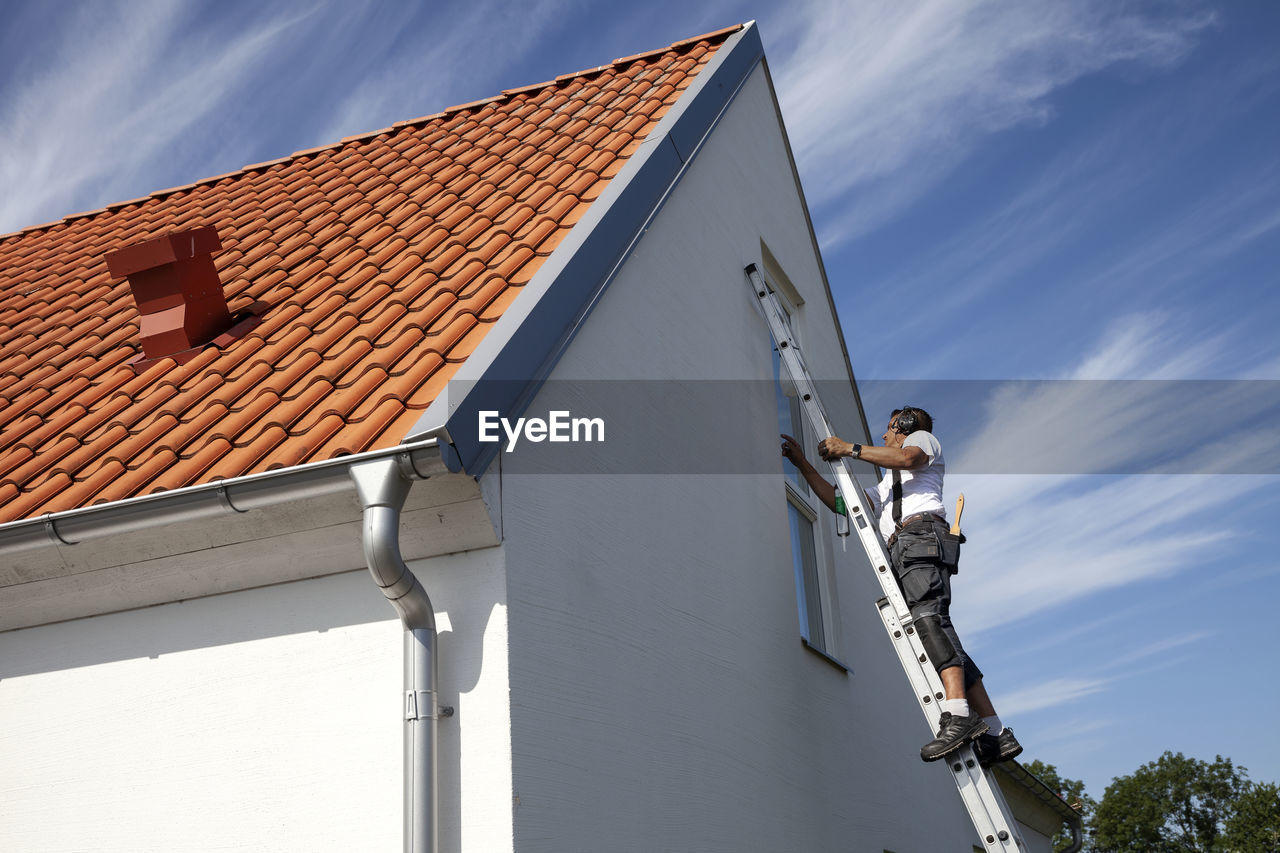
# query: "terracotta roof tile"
376 265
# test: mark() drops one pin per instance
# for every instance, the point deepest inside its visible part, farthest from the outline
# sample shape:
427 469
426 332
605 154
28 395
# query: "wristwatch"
857 451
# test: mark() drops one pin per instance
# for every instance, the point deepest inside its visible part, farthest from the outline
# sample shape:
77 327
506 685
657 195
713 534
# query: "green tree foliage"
1170 805
1070 790
1255 825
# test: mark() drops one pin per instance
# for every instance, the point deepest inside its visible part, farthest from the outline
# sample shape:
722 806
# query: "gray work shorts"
918 554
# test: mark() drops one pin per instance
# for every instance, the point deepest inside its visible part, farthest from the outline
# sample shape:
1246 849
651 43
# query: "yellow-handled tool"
955 525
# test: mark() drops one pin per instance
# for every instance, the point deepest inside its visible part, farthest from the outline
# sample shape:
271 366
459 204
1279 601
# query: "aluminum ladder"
981 795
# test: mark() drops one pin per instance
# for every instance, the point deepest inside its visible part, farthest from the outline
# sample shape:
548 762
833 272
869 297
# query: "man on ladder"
924 553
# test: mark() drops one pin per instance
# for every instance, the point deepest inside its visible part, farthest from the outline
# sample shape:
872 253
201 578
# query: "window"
804 561
802 508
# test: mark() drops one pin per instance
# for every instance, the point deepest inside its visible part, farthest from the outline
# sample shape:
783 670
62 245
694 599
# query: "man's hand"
831 448
792 451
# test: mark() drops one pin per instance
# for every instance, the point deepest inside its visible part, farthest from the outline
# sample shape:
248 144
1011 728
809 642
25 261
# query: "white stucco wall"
256 720
661 697
265 719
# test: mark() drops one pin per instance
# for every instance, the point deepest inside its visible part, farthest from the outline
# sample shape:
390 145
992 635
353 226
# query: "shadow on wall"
275 611
315 605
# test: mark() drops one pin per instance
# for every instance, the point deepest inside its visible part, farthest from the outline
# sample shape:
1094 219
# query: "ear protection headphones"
908 421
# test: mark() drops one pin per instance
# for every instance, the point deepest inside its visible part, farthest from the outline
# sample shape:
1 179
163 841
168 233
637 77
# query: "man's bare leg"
953 683
978 698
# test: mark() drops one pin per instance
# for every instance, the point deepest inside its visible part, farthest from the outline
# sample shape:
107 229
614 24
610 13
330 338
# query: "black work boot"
953 733
987 748
1009 746
991 748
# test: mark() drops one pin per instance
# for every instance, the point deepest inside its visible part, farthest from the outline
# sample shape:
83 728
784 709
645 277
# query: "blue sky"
1021 190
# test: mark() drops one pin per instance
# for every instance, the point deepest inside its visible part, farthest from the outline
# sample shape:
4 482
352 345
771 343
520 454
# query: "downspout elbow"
383 486
1077 836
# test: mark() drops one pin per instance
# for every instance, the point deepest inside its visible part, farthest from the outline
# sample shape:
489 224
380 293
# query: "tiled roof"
376 265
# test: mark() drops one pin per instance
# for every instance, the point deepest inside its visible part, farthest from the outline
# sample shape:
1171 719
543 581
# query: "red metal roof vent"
179 296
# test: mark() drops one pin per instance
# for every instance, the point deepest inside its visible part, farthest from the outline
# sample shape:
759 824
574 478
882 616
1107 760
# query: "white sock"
994 726
956 707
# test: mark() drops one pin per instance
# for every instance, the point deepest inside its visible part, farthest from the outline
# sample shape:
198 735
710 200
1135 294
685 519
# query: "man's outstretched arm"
825 491
886 457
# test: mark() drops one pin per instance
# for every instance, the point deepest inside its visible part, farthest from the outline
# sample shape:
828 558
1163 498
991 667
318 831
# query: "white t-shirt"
921 487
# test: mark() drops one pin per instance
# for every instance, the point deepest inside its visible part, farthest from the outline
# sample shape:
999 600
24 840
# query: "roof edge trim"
528 340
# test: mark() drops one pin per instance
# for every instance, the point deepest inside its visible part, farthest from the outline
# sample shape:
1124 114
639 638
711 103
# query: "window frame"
799 496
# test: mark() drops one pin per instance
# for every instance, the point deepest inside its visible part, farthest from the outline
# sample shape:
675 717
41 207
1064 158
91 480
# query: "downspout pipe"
1077 839
382 486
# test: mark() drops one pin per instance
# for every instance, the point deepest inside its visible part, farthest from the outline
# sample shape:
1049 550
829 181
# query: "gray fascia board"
514 359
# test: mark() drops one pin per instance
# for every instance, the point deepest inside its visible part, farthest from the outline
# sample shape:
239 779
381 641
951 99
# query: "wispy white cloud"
1189 243
129 90
1148 345
1128 405
476 47
1158 647
1076 194
1064 689
885 99
1076 739
1041 542
1248 232
1048 694
152 94
1053 642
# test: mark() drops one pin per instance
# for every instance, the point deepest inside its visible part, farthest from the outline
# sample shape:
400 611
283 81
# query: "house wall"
661 697
1036 843
262 719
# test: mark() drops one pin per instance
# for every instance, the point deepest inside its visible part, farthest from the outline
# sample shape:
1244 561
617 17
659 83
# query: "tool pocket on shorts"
921 583
918 555
950 544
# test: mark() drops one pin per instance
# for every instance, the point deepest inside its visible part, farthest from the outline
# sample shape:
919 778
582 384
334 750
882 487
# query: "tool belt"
925 538
912 519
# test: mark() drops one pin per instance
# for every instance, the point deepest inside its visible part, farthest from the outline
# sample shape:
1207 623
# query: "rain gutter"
382 479
207 500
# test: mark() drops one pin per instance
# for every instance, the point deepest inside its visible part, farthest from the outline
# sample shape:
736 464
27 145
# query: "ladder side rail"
925 681
860 516
999 832
988 780
990 791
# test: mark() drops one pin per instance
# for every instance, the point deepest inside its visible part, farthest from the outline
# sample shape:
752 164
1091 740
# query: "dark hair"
911 418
